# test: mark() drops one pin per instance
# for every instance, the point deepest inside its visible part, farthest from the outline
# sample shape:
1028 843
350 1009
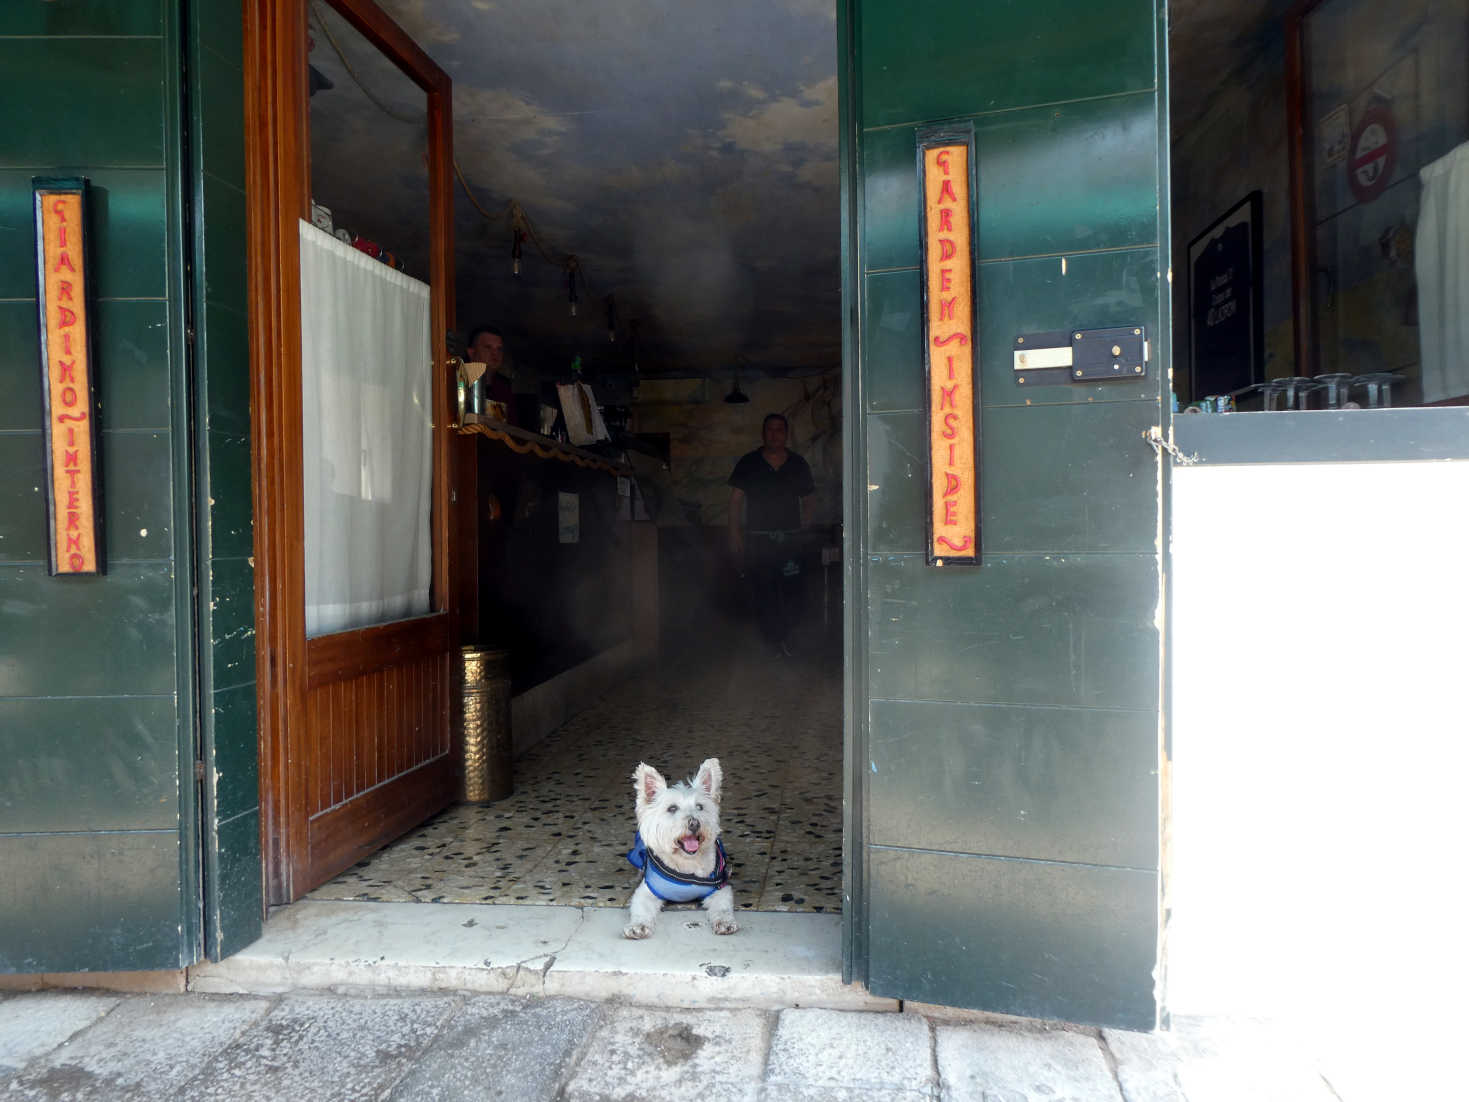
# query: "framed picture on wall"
1226 329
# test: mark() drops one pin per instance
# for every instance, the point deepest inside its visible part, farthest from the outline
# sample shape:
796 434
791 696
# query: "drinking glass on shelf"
1336 384
1378 385
1297 390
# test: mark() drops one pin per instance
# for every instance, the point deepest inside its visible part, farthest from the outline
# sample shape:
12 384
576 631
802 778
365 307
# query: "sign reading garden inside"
66 376
949 347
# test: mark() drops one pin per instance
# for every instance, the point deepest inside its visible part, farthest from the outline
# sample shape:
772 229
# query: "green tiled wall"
1008 718
103 706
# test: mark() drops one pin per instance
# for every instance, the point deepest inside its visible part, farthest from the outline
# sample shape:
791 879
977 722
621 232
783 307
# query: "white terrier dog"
678 849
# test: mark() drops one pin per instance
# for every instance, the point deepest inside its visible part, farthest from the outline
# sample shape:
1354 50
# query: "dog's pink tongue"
690 843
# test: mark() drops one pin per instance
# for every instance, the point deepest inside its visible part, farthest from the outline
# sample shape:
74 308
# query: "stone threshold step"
775 961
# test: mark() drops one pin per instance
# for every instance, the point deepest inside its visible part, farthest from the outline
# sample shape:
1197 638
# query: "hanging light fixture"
516 242
611 320
736 396
571 266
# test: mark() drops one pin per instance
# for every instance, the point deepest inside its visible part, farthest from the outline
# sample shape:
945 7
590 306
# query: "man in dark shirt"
487 346
770 501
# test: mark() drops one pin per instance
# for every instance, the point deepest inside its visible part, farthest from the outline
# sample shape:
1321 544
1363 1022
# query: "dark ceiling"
683 150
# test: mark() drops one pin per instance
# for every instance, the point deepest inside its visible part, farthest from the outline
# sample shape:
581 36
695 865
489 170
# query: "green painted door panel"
1058 179
951 58
93 902
1044 784
1043 940
1056 629
1004 733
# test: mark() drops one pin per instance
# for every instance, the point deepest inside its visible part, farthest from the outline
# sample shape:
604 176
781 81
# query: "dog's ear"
648 783
710 778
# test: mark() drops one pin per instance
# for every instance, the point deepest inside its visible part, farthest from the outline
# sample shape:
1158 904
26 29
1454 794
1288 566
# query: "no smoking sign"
1374 154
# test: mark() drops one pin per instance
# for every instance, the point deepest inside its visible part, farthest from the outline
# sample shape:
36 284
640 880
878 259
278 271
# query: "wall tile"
1096 291
943 61
55 640
238 887
223 262
1066 178
1041 491
224 342
236 760
127 230
111 18
1041 940
91 902
230 534
1057 784
1063 630
892 344
105 763
108 110
135 483
220 28
890 199
130 347
232 621
220 115
897 472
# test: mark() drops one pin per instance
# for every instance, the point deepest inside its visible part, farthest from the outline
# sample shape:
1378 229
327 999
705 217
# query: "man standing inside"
487 346
769 503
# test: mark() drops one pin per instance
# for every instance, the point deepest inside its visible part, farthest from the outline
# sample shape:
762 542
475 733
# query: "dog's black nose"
693 825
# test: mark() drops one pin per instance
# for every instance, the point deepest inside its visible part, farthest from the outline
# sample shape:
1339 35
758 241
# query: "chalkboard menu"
1226 333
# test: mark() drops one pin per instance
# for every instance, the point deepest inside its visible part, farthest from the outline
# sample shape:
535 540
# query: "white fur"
664 812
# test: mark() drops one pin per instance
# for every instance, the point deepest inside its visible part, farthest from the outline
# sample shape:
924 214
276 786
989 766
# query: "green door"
1004 719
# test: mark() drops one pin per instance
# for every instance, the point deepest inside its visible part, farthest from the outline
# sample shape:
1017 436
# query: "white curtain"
1441 253
367 459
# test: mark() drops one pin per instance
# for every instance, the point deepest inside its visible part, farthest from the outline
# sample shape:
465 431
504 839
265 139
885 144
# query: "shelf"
533 443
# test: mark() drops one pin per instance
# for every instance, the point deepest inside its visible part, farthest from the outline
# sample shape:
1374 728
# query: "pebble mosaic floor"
561 836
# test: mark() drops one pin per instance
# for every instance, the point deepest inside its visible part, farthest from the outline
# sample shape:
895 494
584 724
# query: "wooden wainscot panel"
62 295
945 161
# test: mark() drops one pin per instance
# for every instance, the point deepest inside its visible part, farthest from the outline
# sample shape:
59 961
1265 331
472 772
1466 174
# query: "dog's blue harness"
677 887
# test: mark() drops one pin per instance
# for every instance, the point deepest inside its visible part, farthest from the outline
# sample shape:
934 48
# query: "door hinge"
198 771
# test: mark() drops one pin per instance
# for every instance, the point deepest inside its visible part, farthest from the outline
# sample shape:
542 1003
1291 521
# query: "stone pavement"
71 1045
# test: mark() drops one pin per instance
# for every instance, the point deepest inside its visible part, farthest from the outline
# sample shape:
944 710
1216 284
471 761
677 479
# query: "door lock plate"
1081 356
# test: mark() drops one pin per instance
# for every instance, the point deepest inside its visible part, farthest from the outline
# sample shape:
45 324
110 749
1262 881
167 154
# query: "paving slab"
1218 1060
1023 1064
147 1047
500 1047
34 1023
829 1049
324 1048
699 1055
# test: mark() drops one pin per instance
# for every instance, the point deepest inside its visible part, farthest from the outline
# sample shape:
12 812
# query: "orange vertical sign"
949 336
66 363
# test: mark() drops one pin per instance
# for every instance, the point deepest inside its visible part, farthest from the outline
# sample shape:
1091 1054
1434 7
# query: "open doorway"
644 215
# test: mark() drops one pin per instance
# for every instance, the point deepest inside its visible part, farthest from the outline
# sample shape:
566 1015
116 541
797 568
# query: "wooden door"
355 742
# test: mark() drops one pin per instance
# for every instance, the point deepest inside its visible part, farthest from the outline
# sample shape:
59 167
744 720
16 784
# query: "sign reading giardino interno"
66 376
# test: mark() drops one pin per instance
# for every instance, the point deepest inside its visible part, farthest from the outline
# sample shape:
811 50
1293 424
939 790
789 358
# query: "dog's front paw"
725 925
636 930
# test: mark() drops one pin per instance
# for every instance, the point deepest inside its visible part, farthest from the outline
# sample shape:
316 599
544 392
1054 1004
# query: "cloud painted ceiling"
684 150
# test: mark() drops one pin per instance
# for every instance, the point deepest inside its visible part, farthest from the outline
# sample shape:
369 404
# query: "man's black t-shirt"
773 496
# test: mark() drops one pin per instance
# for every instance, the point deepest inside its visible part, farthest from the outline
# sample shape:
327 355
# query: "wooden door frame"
277 172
